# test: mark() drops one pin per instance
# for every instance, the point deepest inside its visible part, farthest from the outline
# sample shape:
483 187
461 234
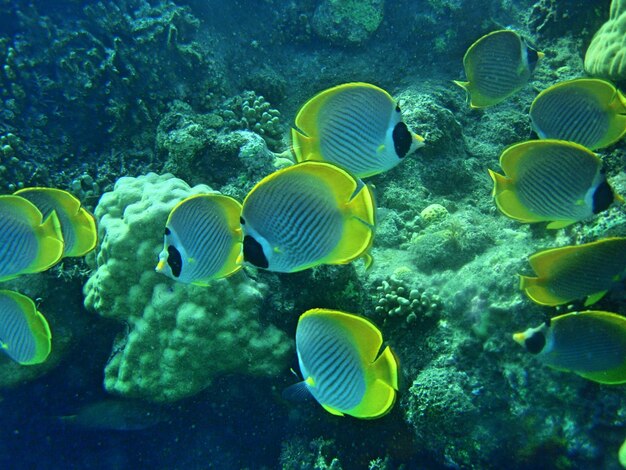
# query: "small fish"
342 366
117 415
24 332
588 111
305 215
573 272
356 126
551 181
28 243
591 344
202 240
497 66
77 223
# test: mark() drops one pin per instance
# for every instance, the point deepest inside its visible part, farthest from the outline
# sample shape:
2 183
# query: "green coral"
450 242
180 336
250 111
297 455
348 22
397 298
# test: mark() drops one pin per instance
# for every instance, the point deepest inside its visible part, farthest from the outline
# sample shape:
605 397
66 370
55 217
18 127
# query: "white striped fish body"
356 126
202 239
591 344
309 214
338 357
24 332
549 180
497 65
77 224
574 272
28 244
590 112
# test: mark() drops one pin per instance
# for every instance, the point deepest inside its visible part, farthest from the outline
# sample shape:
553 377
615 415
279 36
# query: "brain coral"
606 55
179 336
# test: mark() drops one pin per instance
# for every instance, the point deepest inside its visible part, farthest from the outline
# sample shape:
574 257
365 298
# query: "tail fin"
500 183
363 204
51 244
538 293
304 147
386 367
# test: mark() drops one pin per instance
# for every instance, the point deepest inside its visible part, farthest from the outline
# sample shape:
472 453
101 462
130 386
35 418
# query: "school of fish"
319 211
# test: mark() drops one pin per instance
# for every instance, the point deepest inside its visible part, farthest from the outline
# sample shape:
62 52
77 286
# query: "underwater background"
149 373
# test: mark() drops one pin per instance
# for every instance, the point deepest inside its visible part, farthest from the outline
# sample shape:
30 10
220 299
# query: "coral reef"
251 112
606 55
297 455
459 234
347 22
179 336
397 298
217 148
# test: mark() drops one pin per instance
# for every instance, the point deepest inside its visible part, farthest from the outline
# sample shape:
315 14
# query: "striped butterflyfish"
496 66
342 366
28 242
202 239
24 332
357 126
77 223
588 111
305 215
574 272
591 344
551 181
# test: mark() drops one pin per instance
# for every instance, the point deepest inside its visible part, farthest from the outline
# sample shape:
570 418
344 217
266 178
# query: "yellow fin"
378 400
466 88
368 260
304 147
507 201
385 368
500 183
51 245
358 233
86 232
557 224
538 293
331 410
593 298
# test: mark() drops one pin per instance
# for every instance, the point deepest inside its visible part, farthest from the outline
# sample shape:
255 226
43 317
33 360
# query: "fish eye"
174 260
253 253
167 231
535 343
603 197
242 221
402 139
398 108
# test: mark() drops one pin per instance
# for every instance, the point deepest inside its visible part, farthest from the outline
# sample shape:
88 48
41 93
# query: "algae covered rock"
606 55
179 336
347 22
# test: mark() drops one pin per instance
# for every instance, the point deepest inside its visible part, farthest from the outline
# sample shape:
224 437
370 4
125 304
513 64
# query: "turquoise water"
146 372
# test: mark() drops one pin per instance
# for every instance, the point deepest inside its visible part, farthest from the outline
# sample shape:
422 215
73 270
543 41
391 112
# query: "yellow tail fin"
51 244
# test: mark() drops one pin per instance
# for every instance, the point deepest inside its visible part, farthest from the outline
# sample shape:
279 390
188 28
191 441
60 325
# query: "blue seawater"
207 90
